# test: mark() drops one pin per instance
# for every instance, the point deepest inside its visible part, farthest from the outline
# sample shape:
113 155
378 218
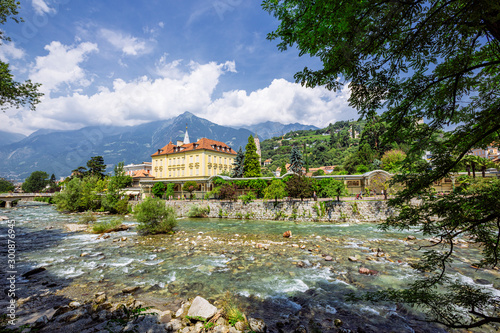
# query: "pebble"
328 258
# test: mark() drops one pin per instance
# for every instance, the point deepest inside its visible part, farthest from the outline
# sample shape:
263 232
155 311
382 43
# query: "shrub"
247 198
197 211
154 217
87 218
106 226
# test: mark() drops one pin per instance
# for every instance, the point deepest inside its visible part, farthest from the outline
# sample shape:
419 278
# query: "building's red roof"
141 173
203 143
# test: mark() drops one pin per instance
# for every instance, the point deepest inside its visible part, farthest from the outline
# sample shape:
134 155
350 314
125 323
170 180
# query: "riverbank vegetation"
93 191
424 91
154 217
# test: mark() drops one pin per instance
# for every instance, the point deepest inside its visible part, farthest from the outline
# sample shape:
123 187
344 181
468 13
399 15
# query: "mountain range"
59 152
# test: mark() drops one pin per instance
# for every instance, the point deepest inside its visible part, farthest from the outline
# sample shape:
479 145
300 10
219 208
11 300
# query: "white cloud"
185 87
41 7
128 44
284 102
161 24
61 65
9 51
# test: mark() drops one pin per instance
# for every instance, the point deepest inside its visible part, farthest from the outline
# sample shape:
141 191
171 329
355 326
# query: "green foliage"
360 169
190 186
106 225
228 192
155 217
48 200
276 190
280 215
36 182
247 198
87 217
436 61
296 161
169 192
6 186
130 314
239 165
12 93
329 188
231 311
198 211
251 163
96 167
392 160
299 186
158 190
283 169
319 172
120 179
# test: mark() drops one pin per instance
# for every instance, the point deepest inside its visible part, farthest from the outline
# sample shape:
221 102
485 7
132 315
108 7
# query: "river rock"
367 271
202 308
145 324
300 329
40 322
287 234
75 304
72 316
353 259
3 218
328 258
34 271
130 290
411 237
100 298
257 325
174 325
240 326
84 254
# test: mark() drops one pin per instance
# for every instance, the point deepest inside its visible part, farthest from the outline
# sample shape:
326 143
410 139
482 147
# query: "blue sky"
128 62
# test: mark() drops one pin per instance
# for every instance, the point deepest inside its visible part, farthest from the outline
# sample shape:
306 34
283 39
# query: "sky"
128 62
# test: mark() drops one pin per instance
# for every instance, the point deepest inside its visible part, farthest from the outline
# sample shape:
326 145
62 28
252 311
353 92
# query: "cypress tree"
283 169
251 163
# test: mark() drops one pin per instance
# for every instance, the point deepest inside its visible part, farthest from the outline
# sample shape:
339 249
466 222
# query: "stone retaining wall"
332 211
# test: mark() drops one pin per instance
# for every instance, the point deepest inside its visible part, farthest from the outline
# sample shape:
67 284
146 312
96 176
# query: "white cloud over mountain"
61 65
179 88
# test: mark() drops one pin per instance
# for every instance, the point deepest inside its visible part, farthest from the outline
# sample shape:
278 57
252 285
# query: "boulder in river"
202 308
34 271
367 271
287 234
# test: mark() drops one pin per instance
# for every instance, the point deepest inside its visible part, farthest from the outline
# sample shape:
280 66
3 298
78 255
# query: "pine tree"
251 163
296 161
238 165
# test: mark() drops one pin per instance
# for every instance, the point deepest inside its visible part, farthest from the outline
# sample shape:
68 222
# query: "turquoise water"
285 280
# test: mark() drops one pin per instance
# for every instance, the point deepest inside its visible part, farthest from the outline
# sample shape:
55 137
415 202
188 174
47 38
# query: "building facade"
192 161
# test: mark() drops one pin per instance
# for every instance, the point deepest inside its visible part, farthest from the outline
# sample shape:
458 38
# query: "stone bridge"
9 197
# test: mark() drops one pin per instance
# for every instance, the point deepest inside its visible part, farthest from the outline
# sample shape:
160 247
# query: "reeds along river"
285 281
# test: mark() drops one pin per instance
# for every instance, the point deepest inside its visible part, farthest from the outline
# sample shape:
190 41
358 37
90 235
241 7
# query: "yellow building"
192 161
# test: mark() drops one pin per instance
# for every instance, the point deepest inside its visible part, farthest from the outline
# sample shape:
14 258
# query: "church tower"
186 136
257 143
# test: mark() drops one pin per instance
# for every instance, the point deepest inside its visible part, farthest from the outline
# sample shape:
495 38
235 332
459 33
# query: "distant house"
327 169
130 169
268 162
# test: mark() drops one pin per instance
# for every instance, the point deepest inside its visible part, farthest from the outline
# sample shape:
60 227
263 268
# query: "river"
285 281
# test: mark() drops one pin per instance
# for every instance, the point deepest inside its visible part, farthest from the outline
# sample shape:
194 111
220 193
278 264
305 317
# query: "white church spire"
186 136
